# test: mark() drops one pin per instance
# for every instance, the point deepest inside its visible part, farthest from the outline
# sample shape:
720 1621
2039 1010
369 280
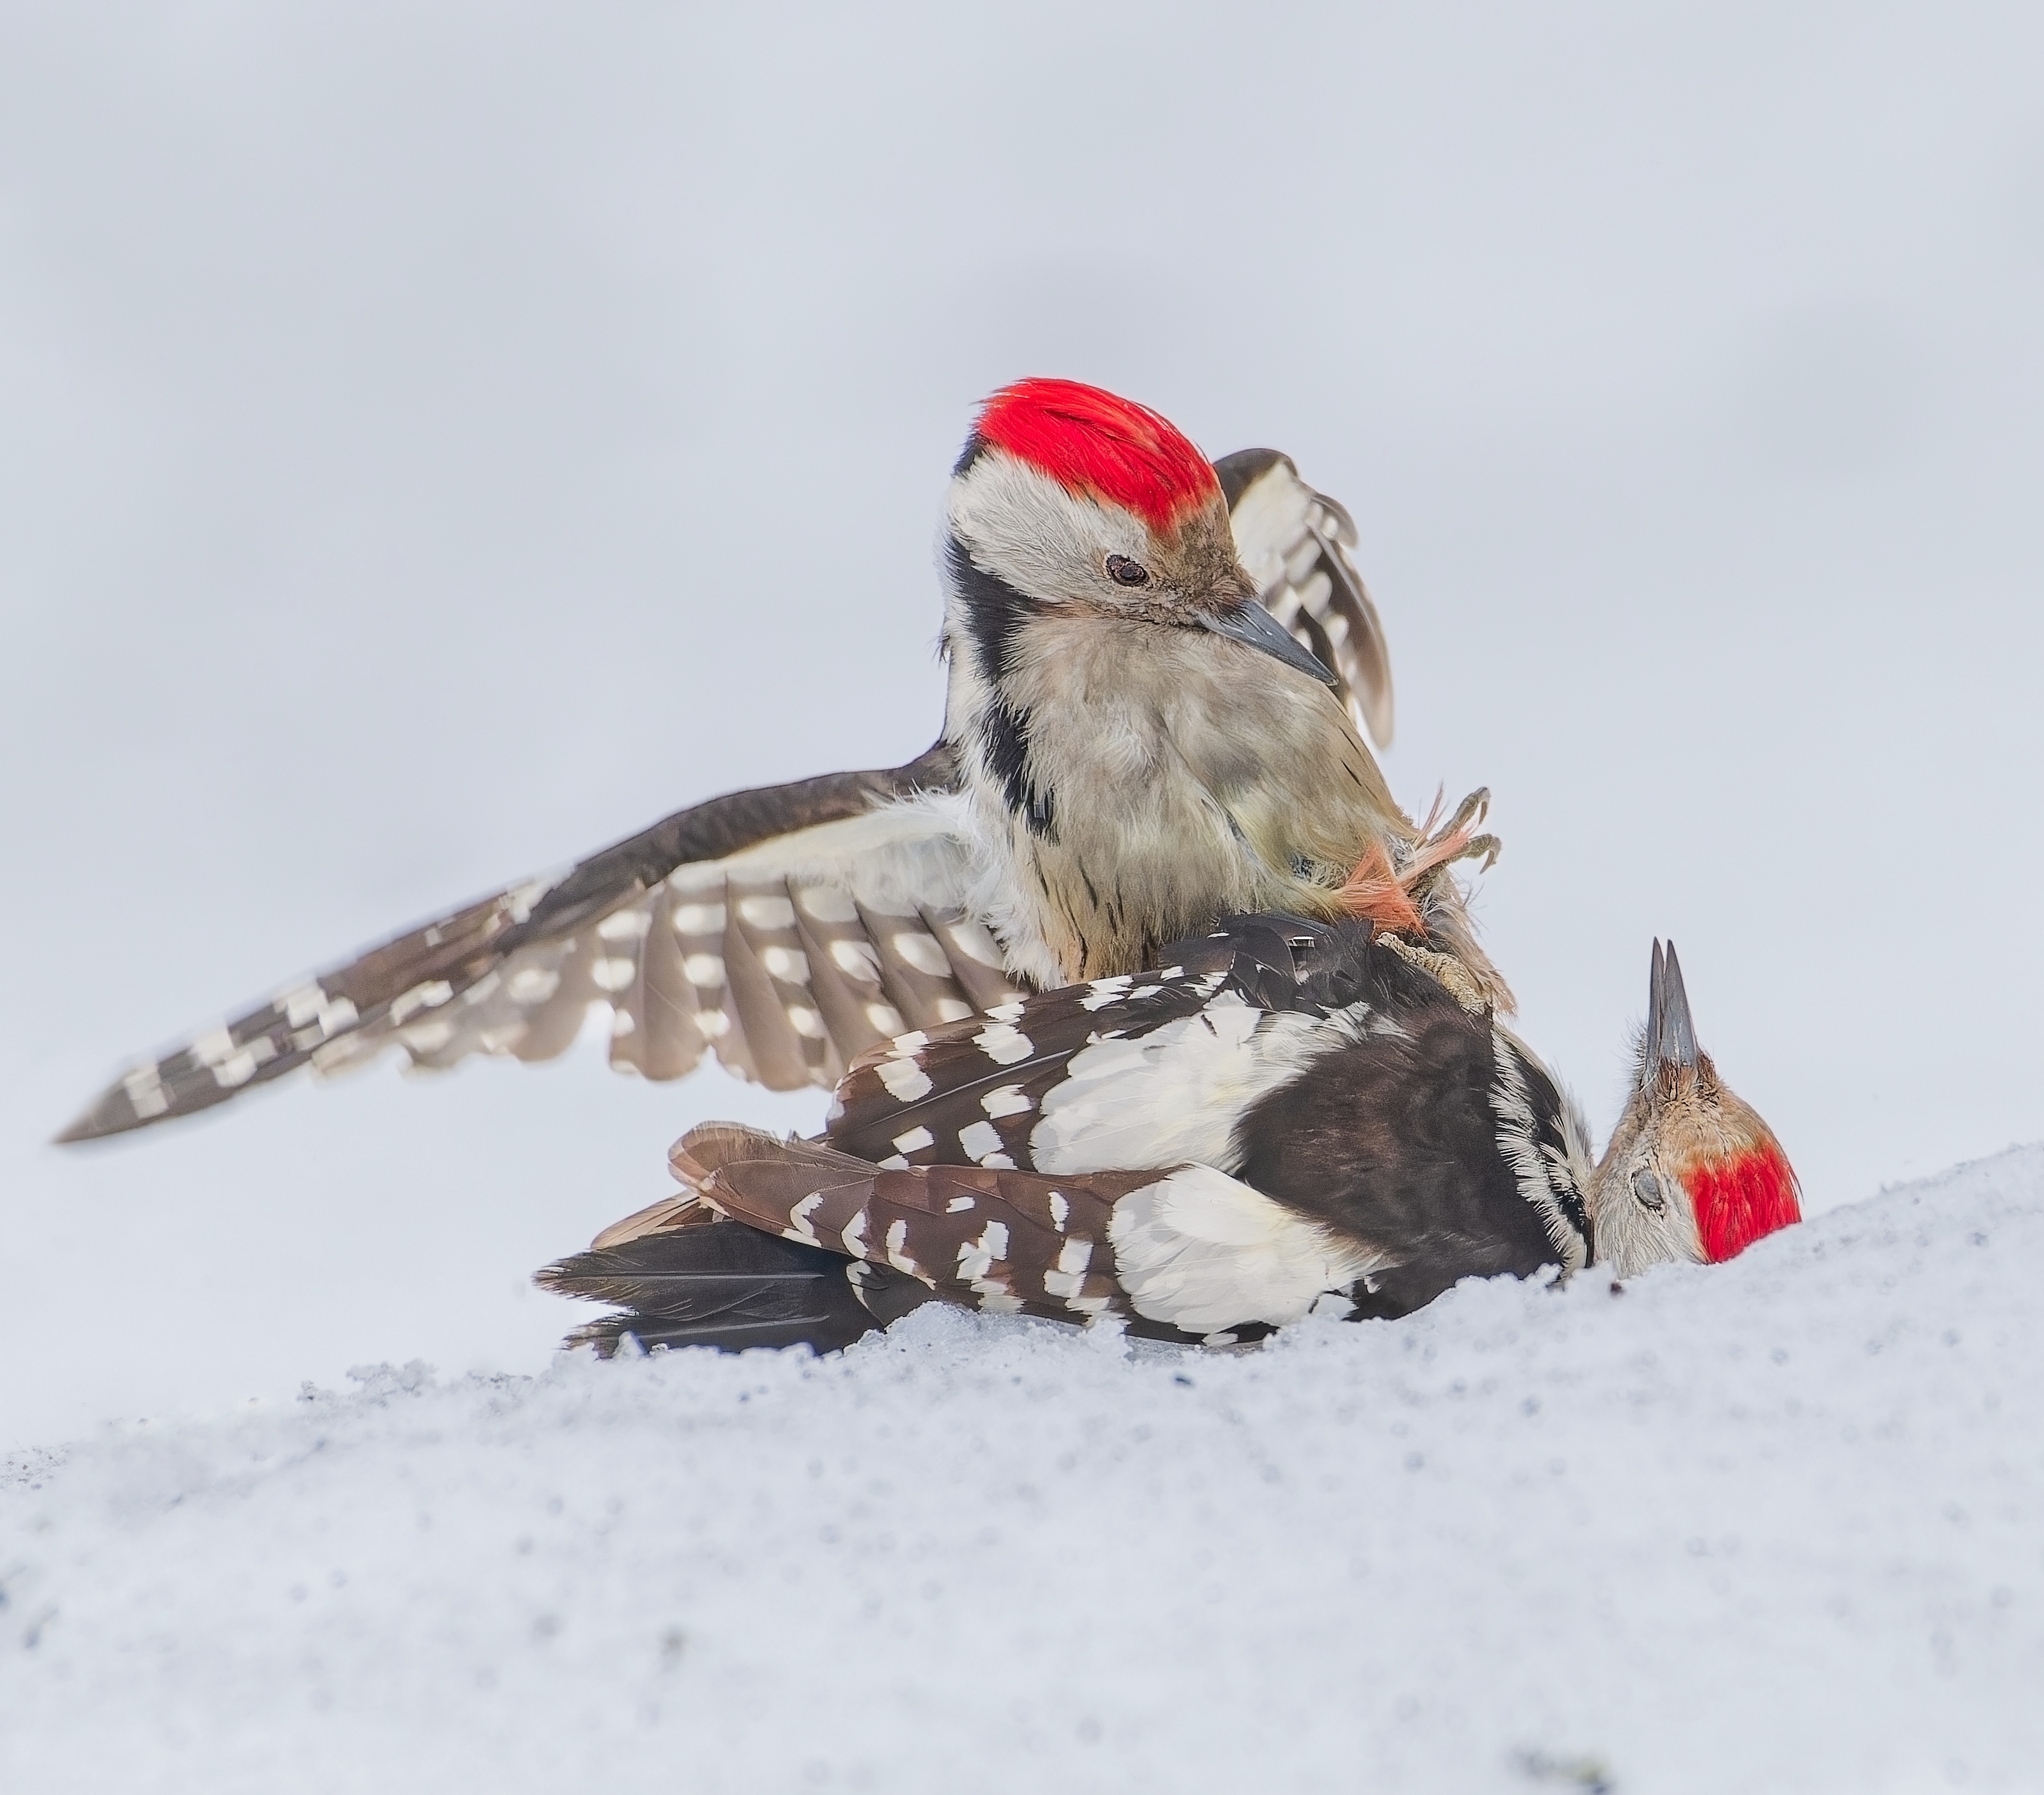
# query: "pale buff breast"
1191 777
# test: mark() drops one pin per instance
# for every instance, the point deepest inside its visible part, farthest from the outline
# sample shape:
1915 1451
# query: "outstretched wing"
1294 543
784 930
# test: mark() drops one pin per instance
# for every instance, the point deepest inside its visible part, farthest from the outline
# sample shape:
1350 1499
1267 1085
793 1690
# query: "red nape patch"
1104 447
1737 1201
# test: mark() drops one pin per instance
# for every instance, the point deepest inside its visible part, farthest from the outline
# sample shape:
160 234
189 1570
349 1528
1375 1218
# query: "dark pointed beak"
1250 623
1671 1033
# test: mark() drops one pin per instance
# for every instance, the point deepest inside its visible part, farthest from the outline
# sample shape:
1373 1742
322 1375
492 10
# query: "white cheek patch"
1203 1252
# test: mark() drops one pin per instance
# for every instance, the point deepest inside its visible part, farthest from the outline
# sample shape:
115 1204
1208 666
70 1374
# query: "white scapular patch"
1175 1094
1203 1252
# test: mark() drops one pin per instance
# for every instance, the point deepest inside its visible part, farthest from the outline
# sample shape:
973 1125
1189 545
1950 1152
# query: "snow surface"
1778 1524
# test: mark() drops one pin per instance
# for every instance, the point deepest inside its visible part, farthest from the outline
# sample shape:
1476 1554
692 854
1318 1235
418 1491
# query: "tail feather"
713 1283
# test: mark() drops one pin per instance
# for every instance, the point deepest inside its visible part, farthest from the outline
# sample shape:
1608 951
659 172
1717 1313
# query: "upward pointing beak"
1671 1034
1250 623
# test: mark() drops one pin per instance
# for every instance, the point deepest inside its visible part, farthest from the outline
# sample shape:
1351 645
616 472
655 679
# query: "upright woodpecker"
1285 1119
1154 720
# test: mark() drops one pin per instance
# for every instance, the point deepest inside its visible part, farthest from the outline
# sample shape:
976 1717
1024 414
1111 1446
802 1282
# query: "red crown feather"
1101 446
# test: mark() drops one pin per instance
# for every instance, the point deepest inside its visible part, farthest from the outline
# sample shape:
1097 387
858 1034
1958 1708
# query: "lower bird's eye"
1647 1188
1127 572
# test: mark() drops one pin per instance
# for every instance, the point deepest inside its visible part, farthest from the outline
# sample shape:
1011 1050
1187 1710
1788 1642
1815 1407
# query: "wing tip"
112 1113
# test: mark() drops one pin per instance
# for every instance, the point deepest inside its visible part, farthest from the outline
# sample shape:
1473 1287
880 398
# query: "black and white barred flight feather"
1288 1119
784 931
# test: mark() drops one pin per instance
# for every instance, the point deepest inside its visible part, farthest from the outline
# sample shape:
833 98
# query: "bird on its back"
1288 1118
1153 720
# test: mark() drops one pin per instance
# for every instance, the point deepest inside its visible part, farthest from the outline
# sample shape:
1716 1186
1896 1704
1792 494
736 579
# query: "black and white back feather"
784 931
1288 1118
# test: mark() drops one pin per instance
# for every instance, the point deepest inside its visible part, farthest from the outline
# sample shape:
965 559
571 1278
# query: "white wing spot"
906 1082
798 1228
827 904
915 1140
698 919
1004 1044
789 964
921 952
767 912
704 970
429 996
613 974
858 959
951 1009
532 984
982 1140
1007 1100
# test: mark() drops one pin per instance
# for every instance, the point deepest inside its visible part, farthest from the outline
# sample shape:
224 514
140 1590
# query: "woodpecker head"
1691 1173
1070 501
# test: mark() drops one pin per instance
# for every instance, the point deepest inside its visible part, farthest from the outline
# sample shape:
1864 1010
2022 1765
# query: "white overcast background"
437 440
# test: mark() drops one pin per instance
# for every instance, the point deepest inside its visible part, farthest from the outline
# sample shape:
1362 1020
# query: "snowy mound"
1771 1526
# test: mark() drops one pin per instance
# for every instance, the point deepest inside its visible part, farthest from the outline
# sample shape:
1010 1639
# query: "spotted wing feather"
1004 1241
1297 544
785 931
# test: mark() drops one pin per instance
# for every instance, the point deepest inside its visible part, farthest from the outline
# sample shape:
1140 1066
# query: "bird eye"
1125 572
1647 1188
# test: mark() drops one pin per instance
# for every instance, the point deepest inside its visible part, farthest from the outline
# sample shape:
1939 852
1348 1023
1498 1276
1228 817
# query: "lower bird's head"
1692 1172
1070 501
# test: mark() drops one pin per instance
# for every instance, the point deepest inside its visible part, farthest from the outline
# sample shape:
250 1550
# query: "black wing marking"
1295 543
786 929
